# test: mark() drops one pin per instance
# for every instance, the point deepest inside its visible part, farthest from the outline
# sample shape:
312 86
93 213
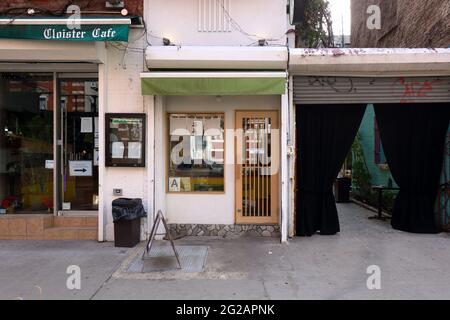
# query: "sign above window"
100 29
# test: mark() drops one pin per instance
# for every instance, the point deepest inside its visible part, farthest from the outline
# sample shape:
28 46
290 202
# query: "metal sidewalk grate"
162 259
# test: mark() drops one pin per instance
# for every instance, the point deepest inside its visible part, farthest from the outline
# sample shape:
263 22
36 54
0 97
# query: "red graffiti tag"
415 89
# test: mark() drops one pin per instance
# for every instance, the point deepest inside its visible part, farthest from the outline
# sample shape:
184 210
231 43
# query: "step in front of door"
47 227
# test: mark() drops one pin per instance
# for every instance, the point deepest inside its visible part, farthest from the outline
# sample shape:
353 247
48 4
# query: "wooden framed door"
257 167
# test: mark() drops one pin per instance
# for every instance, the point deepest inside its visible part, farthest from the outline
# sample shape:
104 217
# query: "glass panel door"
257 167
79 144
26 143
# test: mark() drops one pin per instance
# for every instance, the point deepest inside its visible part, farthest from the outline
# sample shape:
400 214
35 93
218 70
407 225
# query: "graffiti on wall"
337 84
415 89
374 89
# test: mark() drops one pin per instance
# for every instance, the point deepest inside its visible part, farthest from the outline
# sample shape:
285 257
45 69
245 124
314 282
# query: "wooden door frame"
274 219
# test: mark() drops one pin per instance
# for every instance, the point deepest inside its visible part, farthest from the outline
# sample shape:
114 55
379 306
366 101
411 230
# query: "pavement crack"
100 287
266 293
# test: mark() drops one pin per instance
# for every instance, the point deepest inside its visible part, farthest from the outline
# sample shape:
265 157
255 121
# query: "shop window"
380 158
26 143
196 153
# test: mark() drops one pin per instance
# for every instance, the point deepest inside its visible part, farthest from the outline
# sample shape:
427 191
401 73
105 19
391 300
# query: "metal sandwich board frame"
153 234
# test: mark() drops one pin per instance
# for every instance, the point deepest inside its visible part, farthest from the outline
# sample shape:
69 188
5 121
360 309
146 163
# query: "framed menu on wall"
125 140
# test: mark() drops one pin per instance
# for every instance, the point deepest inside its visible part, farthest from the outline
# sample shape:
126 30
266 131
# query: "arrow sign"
80 168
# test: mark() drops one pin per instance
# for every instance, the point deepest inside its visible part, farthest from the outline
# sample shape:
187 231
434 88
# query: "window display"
196 153
125 140
26 143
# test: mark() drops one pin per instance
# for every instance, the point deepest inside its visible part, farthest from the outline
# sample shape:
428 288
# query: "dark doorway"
413 136
324 136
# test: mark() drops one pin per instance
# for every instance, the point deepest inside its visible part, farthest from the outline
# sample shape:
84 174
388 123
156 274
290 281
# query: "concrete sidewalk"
412 267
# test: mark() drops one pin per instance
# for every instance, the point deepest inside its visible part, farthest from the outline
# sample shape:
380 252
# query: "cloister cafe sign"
91 32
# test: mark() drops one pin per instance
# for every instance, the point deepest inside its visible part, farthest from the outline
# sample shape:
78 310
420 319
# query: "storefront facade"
409 89
204 87
220 107
56 87
218 163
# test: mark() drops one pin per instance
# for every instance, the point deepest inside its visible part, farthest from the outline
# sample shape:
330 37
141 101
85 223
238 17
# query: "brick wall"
405 24
135 7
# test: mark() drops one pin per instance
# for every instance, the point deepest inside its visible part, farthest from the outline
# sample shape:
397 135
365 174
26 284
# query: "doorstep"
47 227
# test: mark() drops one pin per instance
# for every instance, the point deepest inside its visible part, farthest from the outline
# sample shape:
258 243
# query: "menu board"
125 139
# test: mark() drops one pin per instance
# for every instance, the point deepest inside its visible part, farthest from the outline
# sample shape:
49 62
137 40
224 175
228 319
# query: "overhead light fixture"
166 42
31 11
124 12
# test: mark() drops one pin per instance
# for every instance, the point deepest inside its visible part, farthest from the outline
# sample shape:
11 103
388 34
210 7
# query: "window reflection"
26 142
196 152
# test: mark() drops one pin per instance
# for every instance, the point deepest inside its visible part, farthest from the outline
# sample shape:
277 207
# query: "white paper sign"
96 140
49 164
66 205
198 127
118 149
212 127
174 184
86 125
80 168
186 184
134 150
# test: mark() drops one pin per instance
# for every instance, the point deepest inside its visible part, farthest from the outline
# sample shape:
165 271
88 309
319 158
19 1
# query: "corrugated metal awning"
377 62
340 90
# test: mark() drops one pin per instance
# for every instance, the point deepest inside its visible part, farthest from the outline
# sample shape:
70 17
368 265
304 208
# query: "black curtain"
325 134
413 137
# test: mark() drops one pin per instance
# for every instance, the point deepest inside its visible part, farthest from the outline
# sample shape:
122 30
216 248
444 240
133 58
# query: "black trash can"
342 189
127 214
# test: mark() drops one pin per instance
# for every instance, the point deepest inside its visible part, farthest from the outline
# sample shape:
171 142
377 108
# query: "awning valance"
217 58
65 28
213 83
372 62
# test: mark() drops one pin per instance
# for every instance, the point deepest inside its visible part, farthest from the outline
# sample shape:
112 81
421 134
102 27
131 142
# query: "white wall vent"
214 16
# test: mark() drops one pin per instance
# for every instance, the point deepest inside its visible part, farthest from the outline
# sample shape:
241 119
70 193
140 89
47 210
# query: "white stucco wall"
203 208
180 20
124 96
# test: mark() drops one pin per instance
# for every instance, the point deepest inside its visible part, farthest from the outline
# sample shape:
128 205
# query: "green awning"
213 86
